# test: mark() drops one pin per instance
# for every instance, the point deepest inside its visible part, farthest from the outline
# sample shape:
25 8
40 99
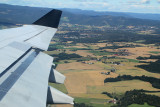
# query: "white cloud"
145 1
94 5
98 5
138 2
90 0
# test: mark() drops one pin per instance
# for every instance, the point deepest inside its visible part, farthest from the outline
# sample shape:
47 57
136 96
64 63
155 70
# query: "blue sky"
137 6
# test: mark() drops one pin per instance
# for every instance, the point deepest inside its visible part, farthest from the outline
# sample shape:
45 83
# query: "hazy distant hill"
27 15
20 14
108 20
124 14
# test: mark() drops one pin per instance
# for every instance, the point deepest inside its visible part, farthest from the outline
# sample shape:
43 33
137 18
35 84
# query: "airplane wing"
25 70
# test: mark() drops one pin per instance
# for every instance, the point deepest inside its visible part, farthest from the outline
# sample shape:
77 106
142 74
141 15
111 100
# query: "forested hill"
124 14
108 20
20 14
27 15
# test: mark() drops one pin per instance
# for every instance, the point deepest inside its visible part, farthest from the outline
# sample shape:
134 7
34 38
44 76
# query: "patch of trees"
151 67
117 47
108 94
115 96
111 95
138 97
65 56
149 91
151 57
154 81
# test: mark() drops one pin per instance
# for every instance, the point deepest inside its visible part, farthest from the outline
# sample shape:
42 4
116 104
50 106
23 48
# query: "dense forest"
65 56
138 97
151 67
151 57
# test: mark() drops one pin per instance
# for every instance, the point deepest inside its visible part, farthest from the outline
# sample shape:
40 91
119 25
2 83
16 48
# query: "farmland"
86 75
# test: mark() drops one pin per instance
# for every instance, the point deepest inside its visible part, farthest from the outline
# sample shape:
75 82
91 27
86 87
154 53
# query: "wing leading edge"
25 70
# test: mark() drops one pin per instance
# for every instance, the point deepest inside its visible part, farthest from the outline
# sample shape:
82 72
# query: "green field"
60 87
137 105
140 41
154 52
93 102
133 60
100 53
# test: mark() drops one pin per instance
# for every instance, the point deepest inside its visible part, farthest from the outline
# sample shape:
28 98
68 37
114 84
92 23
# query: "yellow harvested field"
78 45
99 44
84 53
77 82
62 105
78 66
128 68
121 87
86 81
52 42
69 41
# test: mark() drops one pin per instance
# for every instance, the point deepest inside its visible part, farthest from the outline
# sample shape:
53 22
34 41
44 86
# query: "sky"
136 6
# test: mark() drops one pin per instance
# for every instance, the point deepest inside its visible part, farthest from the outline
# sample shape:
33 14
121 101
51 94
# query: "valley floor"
86 75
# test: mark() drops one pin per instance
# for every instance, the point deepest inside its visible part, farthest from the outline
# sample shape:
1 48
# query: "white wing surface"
25 70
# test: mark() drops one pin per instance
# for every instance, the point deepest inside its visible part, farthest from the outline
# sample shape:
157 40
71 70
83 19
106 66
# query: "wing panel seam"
11 80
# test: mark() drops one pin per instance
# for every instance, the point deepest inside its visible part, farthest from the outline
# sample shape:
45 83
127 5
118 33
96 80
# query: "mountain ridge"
27 15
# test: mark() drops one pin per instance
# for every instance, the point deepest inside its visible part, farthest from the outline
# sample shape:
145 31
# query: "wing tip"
51 19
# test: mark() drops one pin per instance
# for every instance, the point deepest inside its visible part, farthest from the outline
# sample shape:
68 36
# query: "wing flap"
57 97
29 88
56 77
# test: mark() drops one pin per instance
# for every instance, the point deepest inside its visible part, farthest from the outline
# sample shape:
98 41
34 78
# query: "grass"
105 66
137 105
154 52
60 87
100 53
93 102
121 87
130 69
140 41
53 52
133 60
155 93
71 70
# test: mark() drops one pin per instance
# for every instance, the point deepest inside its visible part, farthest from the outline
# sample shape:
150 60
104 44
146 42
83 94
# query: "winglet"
51 19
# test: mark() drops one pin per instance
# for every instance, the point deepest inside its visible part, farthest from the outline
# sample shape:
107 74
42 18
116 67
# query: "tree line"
138 97
154 81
